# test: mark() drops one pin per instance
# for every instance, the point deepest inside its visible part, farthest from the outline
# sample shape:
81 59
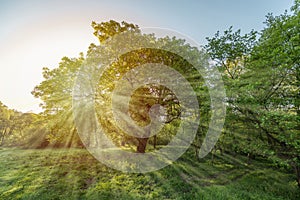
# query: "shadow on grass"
75 174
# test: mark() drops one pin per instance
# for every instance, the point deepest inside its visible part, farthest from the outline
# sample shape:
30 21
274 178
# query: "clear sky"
37 34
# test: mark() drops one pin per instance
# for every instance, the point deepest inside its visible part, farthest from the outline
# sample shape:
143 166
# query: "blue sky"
35 34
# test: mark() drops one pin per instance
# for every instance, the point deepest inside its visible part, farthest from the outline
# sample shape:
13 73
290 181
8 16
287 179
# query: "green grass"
75 174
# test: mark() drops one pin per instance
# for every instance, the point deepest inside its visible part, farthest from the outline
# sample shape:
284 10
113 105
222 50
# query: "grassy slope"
75 174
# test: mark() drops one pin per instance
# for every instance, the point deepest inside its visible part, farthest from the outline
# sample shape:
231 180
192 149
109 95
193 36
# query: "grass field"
75 174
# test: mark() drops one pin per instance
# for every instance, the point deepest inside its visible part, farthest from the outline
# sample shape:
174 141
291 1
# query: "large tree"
56 90
145 97
262 81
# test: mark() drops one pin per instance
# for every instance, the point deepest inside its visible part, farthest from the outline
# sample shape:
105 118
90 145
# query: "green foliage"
16 127
263 98
105 30
149 95
56 93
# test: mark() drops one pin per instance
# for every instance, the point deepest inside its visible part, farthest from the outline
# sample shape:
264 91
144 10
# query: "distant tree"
14 126
5 123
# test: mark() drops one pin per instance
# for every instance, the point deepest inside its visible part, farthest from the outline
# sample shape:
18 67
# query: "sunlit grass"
75 174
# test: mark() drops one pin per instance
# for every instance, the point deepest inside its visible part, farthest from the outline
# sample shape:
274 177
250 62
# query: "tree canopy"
262 81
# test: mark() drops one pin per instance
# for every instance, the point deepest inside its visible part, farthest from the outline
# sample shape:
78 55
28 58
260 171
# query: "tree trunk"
297 170
213 151
248 159
3 136
154 141
70 142
141 148
197 153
